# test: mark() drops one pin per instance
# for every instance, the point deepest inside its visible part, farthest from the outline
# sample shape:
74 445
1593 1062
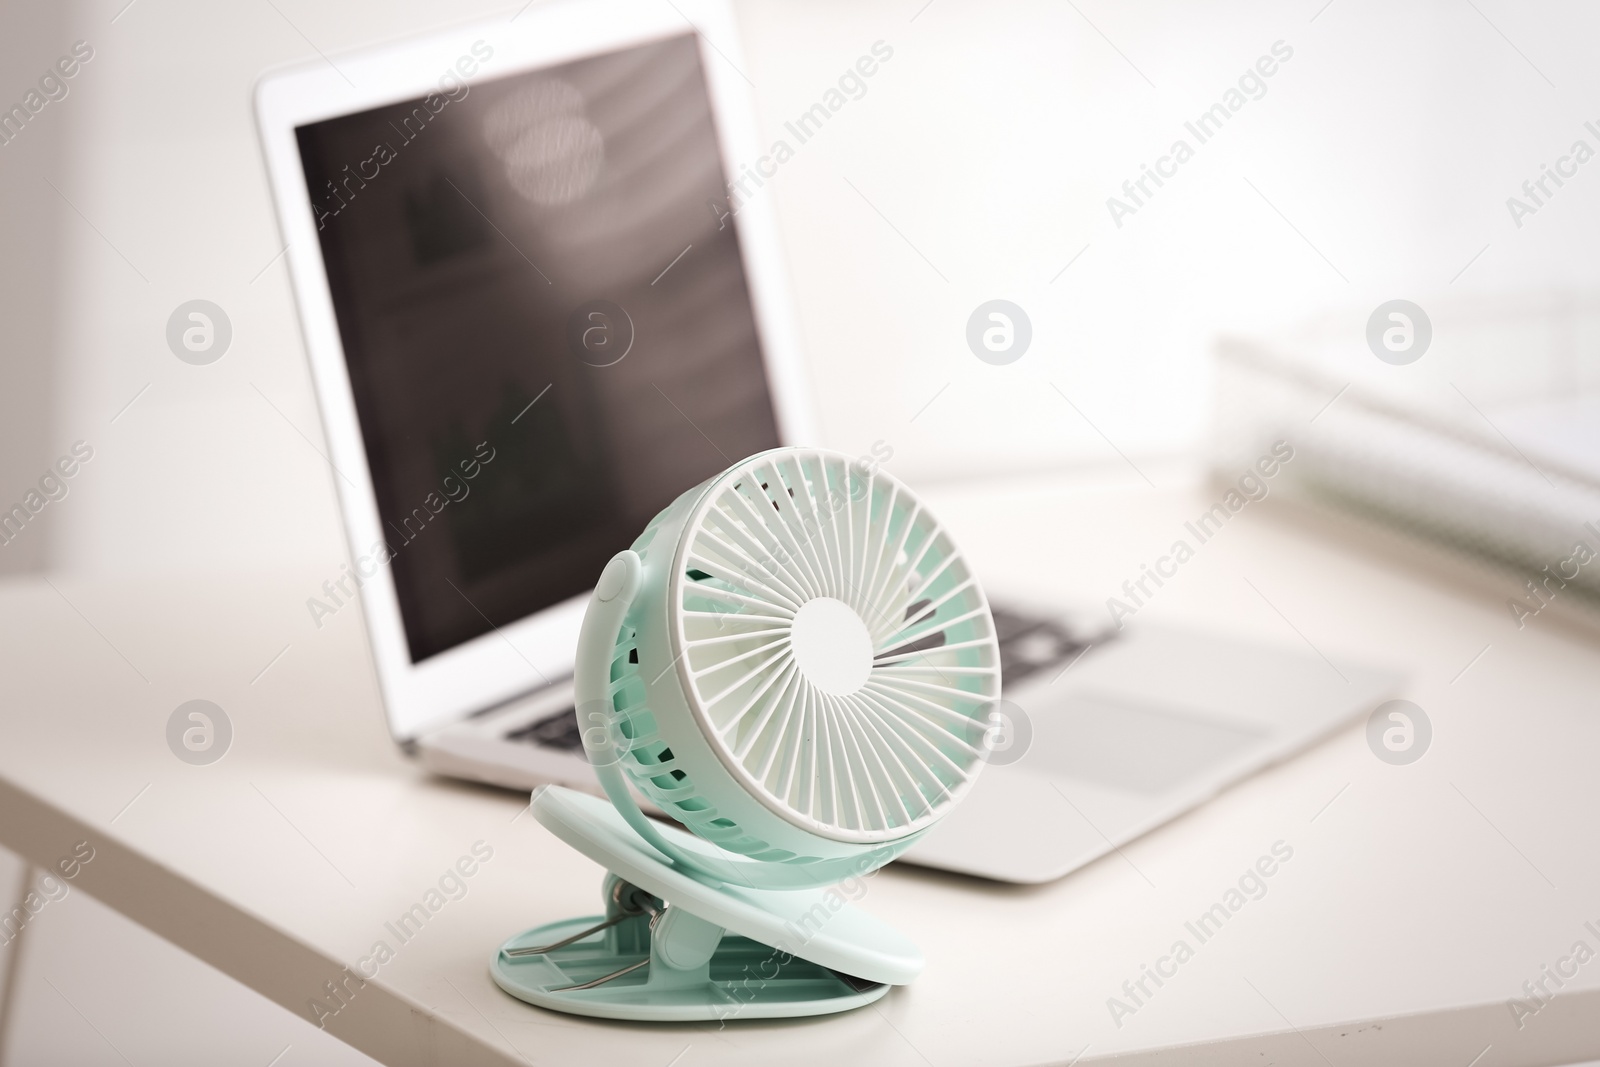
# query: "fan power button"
612 579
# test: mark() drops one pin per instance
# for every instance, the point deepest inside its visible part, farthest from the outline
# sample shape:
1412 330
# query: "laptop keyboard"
1028 644
559 731
1032 643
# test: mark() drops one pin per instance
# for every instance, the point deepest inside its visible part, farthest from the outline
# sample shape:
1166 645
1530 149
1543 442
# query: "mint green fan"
795 662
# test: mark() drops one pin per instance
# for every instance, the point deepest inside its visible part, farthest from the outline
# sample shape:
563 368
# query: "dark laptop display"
546 323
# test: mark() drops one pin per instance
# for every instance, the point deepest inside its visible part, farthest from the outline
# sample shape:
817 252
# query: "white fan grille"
787 528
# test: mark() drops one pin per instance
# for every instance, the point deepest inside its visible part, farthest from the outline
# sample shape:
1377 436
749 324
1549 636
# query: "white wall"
991 141
30 255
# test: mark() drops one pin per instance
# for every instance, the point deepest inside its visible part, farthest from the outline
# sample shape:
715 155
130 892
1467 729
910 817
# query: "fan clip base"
677 945
650 961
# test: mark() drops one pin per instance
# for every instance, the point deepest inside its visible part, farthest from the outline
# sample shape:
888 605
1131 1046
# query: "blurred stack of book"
1489 442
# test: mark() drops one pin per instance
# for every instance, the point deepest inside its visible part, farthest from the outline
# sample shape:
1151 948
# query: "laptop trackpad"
1112 742
1094 774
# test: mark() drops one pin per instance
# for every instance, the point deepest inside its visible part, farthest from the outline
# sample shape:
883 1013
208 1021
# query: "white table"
1418 900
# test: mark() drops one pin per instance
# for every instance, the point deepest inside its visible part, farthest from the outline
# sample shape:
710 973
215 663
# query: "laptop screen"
546 322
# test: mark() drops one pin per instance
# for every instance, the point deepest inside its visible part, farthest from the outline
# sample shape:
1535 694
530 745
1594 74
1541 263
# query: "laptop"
542 294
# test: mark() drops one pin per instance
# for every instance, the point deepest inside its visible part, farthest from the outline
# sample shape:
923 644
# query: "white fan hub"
831 645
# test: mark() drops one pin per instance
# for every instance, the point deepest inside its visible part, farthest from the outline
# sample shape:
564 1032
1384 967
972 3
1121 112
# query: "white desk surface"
1418 900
